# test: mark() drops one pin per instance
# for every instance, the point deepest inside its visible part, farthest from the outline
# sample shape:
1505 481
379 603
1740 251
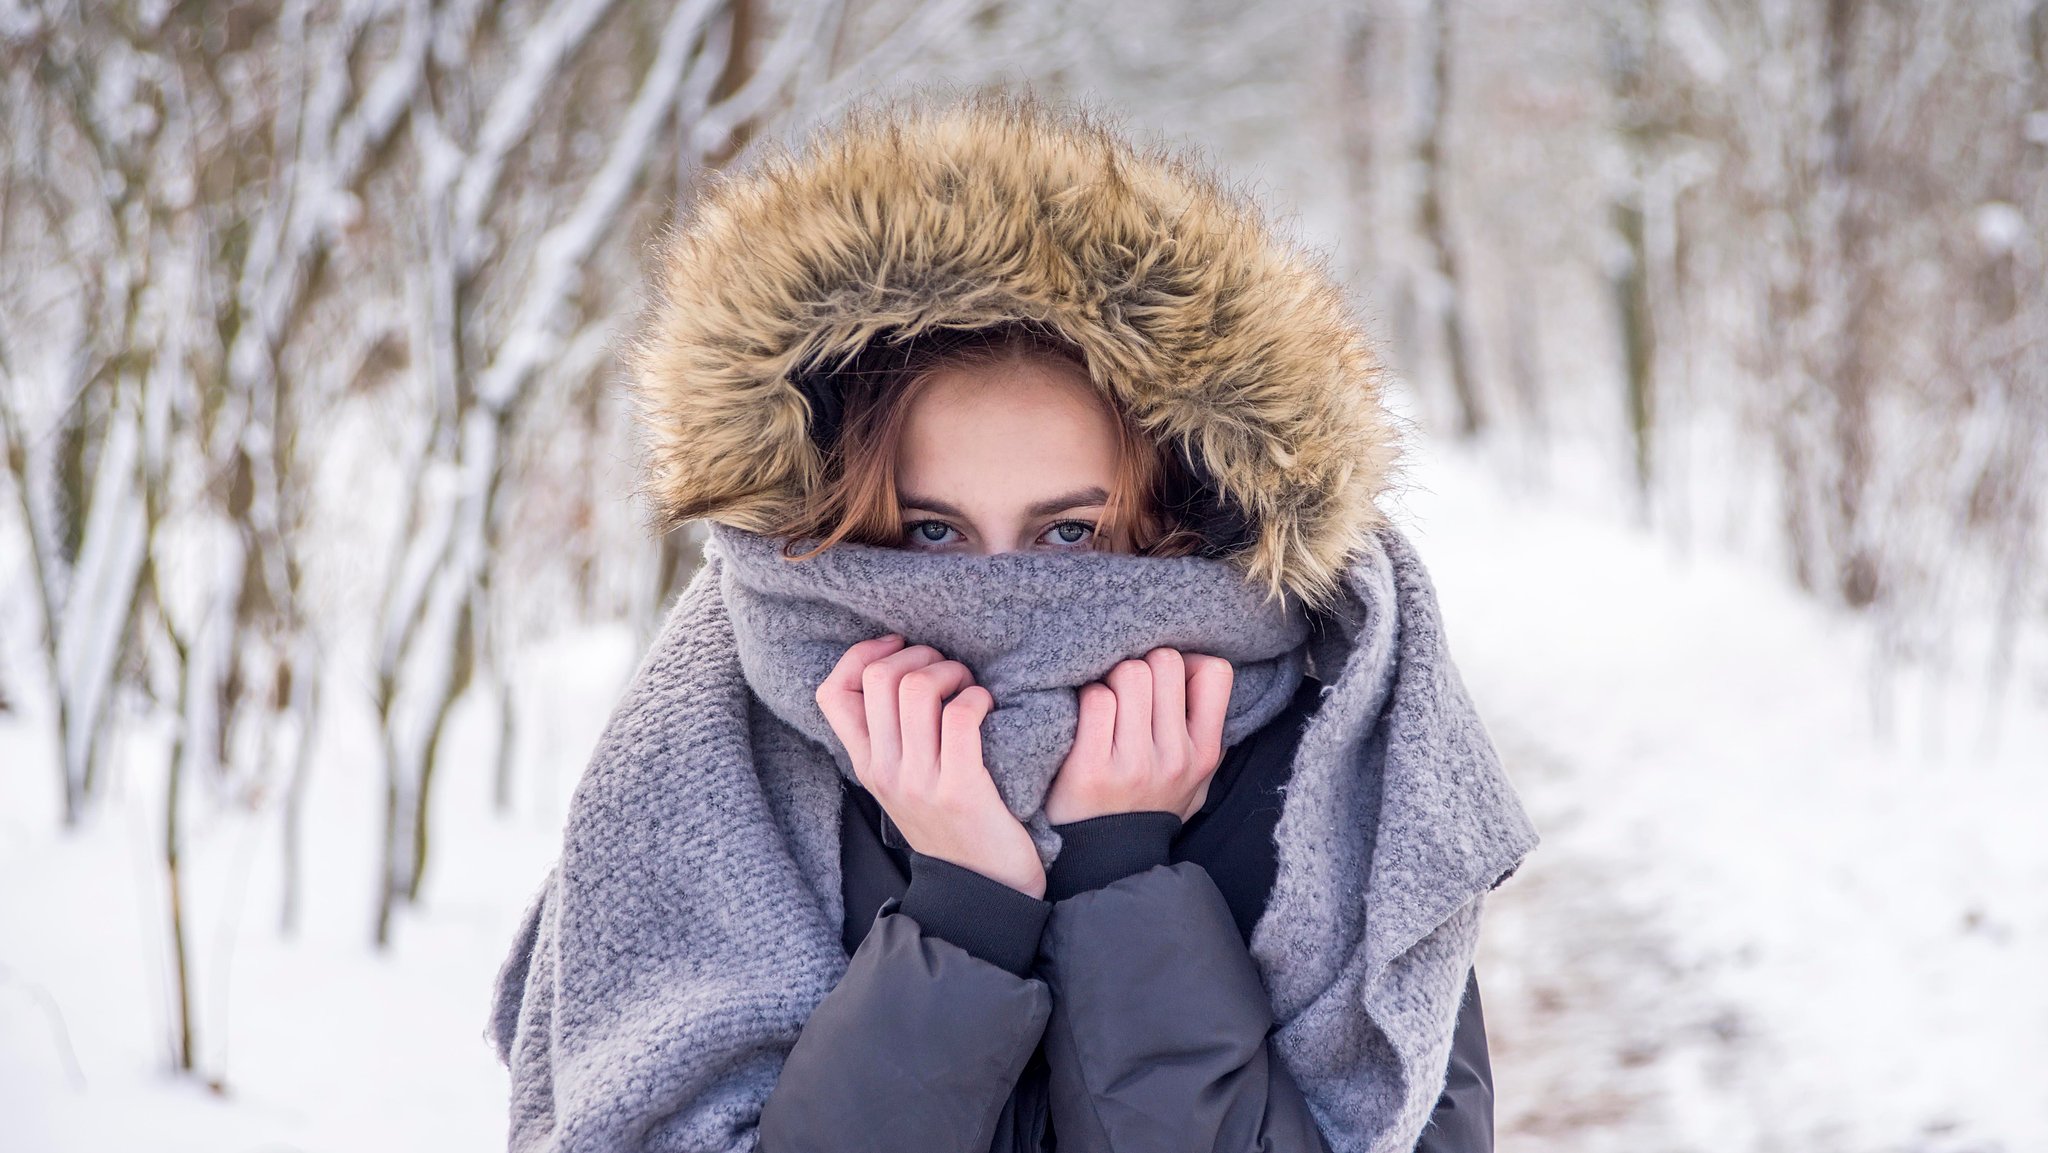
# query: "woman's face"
998 457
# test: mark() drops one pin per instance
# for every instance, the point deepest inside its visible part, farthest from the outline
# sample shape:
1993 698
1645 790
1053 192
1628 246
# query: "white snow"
95 605
326 1045
1845 935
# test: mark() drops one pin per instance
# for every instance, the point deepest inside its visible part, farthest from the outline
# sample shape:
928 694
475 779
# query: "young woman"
985 441
1057 748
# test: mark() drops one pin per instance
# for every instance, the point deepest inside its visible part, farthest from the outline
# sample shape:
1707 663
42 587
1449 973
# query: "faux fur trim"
1216 334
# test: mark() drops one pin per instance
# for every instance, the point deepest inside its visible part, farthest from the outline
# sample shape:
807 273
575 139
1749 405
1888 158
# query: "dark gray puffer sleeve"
1157 1039
1462 1121
919 1046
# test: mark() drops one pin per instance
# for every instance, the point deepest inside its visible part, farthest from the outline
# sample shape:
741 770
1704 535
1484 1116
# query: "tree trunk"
1448 299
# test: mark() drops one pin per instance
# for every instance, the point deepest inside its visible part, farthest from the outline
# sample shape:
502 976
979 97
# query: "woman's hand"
1149 737
922 759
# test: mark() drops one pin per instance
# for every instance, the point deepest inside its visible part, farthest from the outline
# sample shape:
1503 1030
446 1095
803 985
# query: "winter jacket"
1123 1012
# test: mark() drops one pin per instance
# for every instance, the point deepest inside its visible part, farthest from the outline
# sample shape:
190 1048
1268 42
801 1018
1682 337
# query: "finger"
1132 681
878 700
960 732
1093 726
839 697
1208 687
918 697
1169 707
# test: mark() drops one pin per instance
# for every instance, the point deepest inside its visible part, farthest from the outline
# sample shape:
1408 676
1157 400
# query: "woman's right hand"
920 755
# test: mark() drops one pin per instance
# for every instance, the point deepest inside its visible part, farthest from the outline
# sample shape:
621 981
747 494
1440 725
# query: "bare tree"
1444 294
220 229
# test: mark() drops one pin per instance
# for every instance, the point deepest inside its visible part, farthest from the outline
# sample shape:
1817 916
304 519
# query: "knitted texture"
669 960
1033 626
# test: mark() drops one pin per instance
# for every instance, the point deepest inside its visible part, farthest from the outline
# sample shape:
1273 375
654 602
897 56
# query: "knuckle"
932 677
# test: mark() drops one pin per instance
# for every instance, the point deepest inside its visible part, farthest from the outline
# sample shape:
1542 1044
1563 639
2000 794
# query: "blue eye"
919 532
1062 530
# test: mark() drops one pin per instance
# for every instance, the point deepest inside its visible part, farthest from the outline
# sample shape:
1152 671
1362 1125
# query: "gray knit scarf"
673 953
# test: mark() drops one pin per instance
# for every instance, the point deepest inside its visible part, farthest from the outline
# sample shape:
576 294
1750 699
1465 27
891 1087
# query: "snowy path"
1752 923
1750 926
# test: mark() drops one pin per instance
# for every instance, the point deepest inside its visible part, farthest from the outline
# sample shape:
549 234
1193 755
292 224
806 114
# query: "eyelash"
913 526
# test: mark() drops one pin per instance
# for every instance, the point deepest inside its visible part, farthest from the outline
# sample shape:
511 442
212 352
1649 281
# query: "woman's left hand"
1149 737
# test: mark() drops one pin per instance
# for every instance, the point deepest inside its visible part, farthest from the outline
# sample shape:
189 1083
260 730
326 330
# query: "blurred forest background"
307 314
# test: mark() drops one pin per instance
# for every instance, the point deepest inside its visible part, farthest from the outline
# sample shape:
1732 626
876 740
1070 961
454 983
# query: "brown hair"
871 396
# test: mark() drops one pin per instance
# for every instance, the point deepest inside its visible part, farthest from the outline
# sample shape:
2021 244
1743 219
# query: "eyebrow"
1093 494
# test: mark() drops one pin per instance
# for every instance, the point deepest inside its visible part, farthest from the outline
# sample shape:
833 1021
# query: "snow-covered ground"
1753 924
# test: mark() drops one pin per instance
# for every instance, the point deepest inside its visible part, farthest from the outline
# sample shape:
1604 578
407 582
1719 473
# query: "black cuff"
1098 850
980 914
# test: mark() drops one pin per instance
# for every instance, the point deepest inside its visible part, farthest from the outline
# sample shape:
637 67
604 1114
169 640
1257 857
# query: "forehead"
1010 431
1009 398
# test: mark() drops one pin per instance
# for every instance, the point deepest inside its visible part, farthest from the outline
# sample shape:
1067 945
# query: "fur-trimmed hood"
1215 334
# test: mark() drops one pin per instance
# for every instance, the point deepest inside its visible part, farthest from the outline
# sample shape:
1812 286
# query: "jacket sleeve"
1159 1030
1462 1121
922 1041
1158 1034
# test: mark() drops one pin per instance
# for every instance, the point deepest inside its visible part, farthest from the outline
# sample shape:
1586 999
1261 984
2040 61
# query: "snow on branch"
531 336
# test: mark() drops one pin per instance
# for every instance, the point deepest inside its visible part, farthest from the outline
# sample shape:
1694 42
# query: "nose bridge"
993 535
